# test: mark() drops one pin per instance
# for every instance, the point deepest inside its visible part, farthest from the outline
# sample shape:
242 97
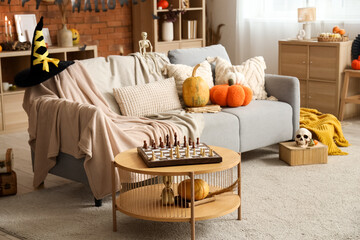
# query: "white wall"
224 11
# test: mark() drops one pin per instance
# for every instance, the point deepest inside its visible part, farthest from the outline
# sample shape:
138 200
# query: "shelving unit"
12 114
143 21
319 66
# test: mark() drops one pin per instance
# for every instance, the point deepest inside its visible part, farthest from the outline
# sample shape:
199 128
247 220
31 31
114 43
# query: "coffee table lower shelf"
151 209
142 187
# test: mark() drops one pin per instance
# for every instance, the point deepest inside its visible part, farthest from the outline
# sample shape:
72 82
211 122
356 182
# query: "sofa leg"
98 202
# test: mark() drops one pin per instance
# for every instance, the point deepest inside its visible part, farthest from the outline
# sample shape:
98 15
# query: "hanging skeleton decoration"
76 4
303 137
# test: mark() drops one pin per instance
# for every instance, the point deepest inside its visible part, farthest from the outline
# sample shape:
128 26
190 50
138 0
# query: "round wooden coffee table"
141 188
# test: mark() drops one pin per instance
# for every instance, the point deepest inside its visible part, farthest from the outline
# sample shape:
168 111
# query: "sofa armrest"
286 89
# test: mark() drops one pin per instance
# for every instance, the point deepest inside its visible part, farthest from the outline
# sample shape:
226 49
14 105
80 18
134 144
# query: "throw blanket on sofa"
326 127
68 114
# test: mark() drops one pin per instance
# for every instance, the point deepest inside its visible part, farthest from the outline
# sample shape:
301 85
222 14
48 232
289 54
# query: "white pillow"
146 99
250 73
181 72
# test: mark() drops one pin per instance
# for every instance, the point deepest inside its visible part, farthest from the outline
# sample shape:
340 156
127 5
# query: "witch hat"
41 66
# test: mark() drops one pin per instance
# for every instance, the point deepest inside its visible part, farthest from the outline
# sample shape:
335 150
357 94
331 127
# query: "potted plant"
168 24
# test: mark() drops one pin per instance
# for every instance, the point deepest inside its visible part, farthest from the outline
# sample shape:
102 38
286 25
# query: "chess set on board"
187 153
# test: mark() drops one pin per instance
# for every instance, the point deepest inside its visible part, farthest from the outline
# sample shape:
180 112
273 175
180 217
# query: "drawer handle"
310 97
310 62
303 62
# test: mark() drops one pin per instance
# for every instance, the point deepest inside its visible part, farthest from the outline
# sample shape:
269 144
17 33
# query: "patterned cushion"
146 99
181 72
250 73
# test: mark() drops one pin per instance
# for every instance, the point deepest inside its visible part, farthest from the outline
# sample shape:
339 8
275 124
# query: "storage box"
294 155
8 184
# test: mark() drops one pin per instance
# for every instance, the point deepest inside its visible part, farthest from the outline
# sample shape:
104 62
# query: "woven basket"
327 39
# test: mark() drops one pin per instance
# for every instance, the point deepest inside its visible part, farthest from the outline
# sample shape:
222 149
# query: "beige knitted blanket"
68 114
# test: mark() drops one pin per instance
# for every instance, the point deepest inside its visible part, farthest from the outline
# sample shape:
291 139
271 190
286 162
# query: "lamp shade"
307 14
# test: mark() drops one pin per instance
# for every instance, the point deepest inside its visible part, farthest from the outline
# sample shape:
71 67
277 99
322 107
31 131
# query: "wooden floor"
22 163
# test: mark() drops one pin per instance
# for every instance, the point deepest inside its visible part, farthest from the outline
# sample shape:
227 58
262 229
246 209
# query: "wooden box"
294 155
8 184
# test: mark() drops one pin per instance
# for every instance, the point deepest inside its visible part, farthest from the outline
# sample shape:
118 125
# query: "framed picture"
25 26
47 36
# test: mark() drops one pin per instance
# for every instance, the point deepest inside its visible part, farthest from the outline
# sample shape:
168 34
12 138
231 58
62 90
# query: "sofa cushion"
250 73
193 56
263 123
141 100
221 129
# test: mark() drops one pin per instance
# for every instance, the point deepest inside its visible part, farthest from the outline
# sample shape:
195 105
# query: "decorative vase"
65 37
167 31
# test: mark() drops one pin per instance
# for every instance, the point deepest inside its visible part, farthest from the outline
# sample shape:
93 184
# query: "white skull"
303 137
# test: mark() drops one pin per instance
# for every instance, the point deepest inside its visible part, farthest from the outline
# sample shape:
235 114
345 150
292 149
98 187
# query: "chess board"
146 155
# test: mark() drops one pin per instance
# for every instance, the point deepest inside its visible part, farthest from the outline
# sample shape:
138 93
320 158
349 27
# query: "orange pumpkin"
195 90
231 95
336 29
341 31
355 64
201 189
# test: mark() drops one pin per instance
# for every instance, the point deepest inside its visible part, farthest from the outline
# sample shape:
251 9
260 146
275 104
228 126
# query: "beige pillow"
181 72
250 73
146 99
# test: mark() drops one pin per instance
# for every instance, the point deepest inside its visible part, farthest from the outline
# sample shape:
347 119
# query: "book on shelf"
189 29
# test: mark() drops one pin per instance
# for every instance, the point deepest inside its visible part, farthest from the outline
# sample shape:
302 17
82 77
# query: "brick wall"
109 30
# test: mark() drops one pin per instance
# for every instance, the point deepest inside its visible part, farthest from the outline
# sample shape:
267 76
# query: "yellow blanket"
326 127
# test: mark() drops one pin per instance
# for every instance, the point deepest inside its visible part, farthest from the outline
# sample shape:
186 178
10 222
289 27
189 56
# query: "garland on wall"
76 4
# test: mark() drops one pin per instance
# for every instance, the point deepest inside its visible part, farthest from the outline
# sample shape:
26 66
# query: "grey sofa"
241 129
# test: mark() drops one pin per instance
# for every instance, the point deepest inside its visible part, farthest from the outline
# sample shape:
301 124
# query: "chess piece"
194 151
188 147
197 141
152 143
175 139
145 146
211 153
203 152
193 144
171 153
161 154
153 156
177 152
167 140
187 152
161 143
178 143
184 141
144 44
190 141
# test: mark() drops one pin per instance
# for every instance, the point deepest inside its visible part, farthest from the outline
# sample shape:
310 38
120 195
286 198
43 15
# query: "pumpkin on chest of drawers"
200 186
195 90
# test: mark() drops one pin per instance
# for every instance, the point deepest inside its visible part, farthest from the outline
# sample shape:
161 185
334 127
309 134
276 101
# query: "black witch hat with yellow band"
41 66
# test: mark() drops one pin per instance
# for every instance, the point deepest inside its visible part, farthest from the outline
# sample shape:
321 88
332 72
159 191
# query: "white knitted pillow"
146 99
181 72
250 73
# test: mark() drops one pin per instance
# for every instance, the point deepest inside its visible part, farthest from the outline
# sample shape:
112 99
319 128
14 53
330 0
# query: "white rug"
279 202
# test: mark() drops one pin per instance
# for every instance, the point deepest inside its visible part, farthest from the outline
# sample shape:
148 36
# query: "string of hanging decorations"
76 4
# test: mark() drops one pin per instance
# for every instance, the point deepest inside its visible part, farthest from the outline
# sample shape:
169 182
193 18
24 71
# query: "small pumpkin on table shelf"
231 95
201 189
355 64
195 90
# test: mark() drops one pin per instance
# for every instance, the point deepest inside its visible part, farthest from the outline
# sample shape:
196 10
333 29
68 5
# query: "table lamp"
306 16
